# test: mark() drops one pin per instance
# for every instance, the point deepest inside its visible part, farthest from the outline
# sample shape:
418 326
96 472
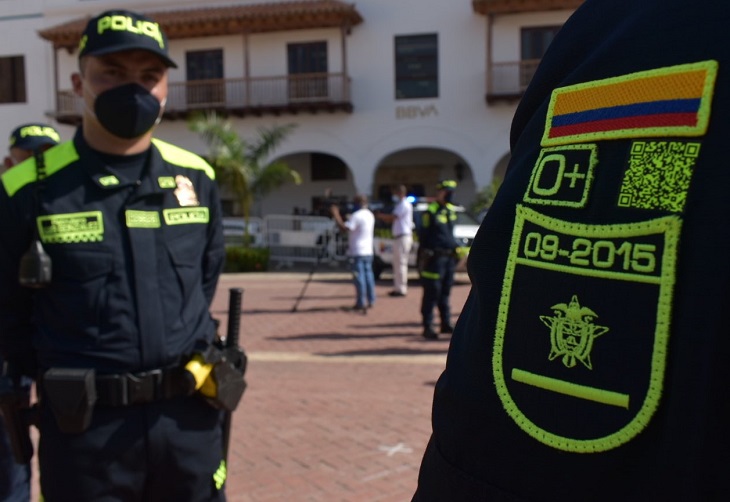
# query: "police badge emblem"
572 333
185 192
574 386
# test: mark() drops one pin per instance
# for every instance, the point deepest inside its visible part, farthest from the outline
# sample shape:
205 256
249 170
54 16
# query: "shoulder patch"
562 176
183 158
583 327
671 101
659 175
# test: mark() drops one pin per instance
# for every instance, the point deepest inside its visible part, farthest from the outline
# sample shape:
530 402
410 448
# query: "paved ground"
338 403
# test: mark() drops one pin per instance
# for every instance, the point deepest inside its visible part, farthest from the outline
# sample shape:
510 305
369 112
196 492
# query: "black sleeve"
214 258
16 302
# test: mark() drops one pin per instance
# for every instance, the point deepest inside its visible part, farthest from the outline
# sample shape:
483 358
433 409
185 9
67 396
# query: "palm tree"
240 165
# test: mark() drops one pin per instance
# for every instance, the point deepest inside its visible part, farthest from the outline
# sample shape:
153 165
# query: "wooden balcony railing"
310 92
508 81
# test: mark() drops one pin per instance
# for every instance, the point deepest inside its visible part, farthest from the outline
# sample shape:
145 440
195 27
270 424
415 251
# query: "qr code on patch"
658 175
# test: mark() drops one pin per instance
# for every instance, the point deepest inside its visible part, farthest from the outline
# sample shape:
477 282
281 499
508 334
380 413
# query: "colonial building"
380 91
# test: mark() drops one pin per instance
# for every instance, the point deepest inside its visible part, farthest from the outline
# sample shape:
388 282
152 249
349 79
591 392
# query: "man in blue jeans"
360 227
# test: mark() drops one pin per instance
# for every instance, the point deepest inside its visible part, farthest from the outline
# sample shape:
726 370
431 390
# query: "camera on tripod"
322 205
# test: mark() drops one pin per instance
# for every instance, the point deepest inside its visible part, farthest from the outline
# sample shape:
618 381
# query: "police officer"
591 359
131 231
24 141
437 259
28 138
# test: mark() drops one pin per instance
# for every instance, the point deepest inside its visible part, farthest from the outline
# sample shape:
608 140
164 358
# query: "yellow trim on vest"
24 173
183 158
220 475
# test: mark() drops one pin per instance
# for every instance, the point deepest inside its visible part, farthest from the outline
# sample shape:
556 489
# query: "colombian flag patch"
672 101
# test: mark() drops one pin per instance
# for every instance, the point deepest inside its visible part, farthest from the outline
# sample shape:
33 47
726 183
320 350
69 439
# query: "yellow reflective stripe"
24 173
220 475
183 158
429 275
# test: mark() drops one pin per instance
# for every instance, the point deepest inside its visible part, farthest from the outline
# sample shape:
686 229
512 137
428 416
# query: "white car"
464 231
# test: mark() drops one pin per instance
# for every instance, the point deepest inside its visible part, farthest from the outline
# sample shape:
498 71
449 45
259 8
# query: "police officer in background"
437 257
591 361
115 325
27 139
24 141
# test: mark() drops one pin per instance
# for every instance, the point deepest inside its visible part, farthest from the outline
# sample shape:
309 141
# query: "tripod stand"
321 254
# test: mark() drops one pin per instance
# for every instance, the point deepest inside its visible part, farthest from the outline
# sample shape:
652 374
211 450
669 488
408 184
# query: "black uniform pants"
166 450
437 278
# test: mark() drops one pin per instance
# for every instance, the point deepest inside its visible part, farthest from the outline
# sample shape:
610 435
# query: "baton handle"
234 316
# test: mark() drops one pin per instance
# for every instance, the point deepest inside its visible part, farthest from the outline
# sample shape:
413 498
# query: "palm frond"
269 140
239 164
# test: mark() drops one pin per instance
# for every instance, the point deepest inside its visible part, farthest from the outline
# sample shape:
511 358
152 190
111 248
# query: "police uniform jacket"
437 227
591 361
134 263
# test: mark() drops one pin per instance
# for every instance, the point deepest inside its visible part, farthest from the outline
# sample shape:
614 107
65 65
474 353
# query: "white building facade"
380 91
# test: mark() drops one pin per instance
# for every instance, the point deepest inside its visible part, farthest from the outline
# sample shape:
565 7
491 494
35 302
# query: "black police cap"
446 185
123 30
34 136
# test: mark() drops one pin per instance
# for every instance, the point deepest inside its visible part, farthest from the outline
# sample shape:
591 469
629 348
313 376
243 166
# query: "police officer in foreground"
24 141
110 250
590 362
437 257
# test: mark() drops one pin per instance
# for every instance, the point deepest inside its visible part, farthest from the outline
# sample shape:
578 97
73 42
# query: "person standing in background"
437 257
360 227
26 139
24 142
591 360
401 220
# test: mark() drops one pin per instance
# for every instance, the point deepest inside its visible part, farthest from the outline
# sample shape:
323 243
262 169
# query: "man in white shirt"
401 220
360 227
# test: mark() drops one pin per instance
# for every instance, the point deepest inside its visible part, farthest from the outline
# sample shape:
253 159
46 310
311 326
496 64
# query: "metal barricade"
234 231
300 239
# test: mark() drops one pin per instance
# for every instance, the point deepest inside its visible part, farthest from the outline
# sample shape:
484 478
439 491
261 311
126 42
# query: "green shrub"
244 259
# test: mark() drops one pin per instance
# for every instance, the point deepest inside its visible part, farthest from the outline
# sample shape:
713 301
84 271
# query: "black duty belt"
145 387
73 393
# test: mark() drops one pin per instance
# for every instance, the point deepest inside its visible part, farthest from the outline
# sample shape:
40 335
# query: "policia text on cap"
120 338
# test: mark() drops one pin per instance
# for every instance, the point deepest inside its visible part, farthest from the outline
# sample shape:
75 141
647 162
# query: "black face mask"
448 197
127 111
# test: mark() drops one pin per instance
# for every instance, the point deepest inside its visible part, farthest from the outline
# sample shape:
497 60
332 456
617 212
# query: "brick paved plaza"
338 403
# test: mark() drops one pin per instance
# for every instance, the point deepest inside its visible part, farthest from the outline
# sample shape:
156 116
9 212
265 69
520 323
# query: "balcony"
255 96
507 81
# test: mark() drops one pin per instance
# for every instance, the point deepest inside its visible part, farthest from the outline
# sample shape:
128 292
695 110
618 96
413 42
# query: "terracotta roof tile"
515 6
214 21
